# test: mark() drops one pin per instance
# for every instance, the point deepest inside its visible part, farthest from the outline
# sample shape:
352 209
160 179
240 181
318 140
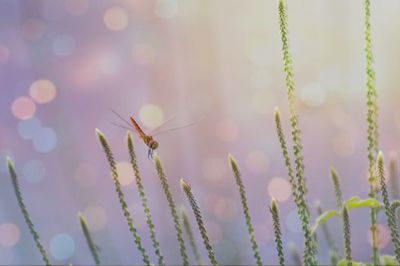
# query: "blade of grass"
89 240
190 236
143 198
394 175
310 257
277 231
246 213
372 128
388 211
172 206
346 236
25 212
197 213
337 188
121 197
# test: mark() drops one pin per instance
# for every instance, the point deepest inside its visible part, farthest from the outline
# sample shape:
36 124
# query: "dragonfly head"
153 145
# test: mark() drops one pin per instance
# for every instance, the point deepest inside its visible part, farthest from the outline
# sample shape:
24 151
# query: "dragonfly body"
147 139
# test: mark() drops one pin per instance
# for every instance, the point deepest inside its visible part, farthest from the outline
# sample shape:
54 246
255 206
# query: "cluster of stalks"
297 178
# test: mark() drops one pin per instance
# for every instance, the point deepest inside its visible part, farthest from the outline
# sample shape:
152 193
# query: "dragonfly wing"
158 128
121 126
174 128
120 116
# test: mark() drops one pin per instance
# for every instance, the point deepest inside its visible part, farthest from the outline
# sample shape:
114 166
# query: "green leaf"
356 202
352 203
343 262
323 218
387 260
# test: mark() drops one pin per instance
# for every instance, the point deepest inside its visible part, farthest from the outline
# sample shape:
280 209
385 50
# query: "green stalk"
288 164
336 186
190 236
310 257
143 198
197 213
372 130
277 231
388 211
346 236
394 176
89 240
121 197
246 213
172 206
25 212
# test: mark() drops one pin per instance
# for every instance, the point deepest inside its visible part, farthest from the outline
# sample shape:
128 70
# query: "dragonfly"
148 139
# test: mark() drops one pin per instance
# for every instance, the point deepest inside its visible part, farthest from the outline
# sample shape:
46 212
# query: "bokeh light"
46 140
29 128
115 19
9 234
279 188
226 130
34 171
96 217
23 107
257 162
151 115
64 45
42 91
62 246
125 173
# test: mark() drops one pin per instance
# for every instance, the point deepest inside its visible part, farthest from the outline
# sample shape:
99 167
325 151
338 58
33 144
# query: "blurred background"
65 64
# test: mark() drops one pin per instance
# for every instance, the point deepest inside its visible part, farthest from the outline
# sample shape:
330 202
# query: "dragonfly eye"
154 145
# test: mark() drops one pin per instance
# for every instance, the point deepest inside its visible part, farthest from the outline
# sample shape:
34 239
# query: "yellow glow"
279 188
151 115
96 217
42 91
125 173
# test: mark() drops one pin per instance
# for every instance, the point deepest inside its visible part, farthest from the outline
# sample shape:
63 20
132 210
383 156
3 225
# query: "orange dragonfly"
148 139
